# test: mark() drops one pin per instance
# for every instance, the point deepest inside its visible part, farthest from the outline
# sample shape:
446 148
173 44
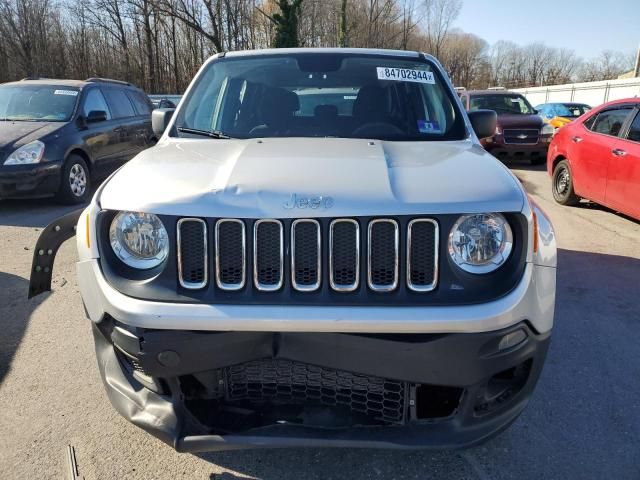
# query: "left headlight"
29 153
480 243
547 129
139 239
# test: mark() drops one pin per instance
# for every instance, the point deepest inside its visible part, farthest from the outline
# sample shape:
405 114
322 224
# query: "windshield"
321 95
32 103
501 104
570 110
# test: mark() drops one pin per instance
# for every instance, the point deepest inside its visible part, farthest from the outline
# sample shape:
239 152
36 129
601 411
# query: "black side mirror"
96 116
483 122
160 118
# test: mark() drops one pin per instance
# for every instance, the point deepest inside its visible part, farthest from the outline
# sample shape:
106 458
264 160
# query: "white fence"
591 93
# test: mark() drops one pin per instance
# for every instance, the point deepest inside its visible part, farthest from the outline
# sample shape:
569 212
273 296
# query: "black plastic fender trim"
54 235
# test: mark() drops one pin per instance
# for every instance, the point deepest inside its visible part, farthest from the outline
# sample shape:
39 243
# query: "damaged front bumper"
204 391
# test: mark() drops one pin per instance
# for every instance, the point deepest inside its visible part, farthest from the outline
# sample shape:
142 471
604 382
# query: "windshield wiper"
205 133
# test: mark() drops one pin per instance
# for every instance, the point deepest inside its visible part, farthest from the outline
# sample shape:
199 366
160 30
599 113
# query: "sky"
585 26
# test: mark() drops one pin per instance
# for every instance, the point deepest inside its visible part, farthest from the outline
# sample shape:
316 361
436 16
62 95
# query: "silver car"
317 252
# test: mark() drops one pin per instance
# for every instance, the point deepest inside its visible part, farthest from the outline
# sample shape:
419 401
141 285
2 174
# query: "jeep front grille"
344 255
384 253
310 255
422 255
231 254
306 256
268 255
287 382
192 253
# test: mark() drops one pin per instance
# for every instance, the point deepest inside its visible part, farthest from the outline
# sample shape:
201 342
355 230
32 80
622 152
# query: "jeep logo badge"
296 201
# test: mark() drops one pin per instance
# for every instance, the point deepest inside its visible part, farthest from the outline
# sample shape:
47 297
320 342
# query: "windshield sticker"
428 127
73 93
405 75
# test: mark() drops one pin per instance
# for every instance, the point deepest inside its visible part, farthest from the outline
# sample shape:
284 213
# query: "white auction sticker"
405 75
73 93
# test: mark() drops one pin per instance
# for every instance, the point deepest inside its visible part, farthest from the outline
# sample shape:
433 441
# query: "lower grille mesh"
285 381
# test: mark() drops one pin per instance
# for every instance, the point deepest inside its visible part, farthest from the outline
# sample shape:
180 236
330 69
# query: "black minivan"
59 136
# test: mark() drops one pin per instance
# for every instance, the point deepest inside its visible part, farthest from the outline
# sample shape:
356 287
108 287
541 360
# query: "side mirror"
160 118
96 116
483 122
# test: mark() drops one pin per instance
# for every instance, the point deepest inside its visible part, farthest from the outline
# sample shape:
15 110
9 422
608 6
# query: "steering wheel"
377 128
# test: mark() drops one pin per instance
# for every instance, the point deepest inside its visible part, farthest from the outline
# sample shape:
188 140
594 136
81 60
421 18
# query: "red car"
597 157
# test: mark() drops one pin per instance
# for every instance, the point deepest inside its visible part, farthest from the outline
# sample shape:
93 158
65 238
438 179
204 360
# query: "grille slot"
231 252
192 253
268 255
422 255
305 255
383 252
284 381
344 255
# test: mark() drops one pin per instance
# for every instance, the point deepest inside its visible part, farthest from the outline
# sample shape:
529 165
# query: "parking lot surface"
583 420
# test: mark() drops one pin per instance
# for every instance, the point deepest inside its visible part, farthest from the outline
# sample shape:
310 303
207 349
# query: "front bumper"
456 390
21 181
533 300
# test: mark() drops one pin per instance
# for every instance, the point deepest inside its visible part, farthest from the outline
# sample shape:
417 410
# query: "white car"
349 270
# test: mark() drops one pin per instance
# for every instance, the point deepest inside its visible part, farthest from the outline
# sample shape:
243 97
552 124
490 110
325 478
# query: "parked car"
597 157
165 101
520 133
271 275
559 114
57 137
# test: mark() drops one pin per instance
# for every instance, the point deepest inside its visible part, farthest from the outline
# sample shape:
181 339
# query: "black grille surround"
454 287
522 136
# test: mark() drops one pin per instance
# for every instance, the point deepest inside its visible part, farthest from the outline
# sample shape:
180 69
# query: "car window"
37 103
139 101
634 129
119 103
610 122
95 101
502 104
345 95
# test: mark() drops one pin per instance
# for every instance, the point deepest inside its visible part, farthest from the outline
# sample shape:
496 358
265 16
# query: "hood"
519 121
339 177
16 134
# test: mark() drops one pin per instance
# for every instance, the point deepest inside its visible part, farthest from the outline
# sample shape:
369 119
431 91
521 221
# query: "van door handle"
118 129
618 153
576 139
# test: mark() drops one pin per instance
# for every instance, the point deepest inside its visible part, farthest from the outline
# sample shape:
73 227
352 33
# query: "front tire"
75 186
562 185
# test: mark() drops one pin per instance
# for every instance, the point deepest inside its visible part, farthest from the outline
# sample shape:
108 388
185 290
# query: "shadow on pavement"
36 213
583 420
15 312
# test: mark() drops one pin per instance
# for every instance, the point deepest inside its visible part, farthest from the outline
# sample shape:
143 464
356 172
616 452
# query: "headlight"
139 239
29 153
547 129
480 243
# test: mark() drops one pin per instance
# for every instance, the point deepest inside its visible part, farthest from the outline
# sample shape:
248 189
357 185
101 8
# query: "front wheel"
75 186
562 185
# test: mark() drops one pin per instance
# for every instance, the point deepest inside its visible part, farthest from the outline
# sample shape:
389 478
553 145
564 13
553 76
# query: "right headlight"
480 243
29 153
139 239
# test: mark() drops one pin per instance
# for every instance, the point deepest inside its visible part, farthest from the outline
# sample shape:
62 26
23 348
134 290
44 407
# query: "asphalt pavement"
583 421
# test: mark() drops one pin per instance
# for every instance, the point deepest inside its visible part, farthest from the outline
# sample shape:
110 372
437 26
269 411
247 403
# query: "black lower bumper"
203 391
24 181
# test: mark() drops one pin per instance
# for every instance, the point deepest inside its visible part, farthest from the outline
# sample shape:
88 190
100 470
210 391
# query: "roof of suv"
69 83
490 92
